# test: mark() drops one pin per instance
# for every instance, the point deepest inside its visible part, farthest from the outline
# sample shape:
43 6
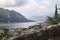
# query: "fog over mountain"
39 18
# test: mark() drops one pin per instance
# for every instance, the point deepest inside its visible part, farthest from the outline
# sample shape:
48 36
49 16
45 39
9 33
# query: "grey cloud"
21 2
18 3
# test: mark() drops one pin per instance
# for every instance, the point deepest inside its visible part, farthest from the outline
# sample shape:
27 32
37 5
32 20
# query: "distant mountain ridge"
11 16
39 18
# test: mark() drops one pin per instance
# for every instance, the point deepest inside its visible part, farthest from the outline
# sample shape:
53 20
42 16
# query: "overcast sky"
30 8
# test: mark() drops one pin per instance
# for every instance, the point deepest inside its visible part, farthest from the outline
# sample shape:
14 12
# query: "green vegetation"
55 19
5 34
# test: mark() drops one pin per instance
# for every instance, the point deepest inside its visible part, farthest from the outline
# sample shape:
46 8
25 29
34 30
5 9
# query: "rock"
51 26
51 33
58 23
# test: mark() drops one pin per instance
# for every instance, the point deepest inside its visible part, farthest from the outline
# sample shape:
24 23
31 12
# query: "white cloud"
13 3
46 2
31 7
2 2
7 2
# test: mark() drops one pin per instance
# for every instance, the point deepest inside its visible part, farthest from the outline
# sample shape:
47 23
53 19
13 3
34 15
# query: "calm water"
18 25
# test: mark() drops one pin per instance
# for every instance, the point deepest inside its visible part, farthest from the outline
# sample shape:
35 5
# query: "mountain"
39 18
11 16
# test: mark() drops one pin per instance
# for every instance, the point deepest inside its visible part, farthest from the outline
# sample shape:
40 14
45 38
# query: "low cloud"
30 7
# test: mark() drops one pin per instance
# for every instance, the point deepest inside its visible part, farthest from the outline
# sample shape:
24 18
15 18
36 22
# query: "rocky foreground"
51 32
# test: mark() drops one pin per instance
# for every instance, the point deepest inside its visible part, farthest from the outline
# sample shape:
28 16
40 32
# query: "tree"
55 19
56 15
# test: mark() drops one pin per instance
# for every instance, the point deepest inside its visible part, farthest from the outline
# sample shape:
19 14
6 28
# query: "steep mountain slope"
11 16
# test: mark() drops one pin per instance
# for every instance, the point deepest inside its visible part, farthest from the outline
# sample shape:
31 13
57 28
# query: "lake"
18 25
